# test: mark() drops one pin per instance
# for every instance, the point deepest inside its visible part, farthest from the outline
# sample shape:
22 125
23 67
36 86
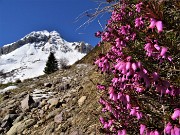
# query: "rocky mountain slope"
29 55
62 103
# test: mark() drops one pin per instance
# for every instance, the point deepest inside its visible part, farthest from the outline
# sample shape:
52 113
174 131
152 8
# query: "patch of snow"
81 65
40 94
7 89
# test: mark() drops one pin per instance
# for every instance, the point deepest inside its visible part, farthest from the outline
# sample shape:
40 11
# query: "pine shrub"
51 64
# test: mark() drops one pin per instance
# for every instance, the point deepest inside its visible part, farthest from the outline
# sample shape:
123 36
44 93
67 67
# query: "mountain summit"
27 57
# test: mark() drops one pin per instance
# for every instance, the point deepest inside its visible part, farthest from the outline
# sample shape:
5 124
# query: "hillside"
66 103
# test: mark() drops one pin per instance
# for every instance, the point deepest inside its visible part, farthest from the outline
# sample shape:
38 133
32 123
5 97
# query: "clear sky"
20 17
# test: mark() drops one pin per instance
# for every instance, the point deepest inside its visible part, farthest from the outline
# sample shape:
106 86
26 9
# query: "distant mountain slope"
27 57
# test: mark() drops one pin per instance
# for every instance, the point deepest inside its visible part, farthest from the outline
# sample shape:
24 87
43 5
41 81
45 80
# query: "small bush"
63 62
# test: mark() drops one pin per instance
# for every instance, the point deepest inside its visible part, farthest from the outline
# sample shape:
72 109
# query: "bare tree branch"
103 7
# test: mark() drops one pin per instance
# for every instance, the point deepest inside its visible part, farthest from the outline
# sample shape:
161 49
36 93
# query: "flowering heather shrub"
143 95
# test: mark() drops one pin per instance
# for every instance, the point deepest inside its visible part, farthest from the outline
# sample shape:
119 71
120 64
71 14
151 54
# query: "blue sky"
20 17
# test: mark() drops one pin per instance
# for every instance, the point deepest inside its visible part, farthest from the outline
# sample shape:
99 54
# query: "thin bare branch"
102 8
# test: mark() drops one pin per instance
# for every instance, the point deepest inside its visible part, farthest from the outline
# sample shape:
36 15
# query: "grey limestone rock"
27 102
19 127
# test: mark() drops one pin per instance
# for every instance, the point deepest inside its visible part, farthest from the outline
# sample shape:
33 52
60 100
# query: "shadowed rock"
27 102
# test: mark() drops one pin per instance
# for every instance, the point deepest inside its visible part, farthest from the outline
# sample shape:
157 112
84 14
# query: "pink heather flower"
138 7
133 36
149 49
156 133
152 23
168 128
128 65
102 120
174 91
98 34
110 29
99 44
142 129
176 114
133 111
176 130
123 99
118 42
101 87
139 115
170 58
122 132
128 98
151 133
144 70
139 65
163 51
140 89
120 65
110 122
103 64
167 91
129 58
155 76
104 110
119 95
147 132
128 106
116 16
159 26
139 22
112 95
157 47
173 132
114 81
109 21
134 66
106 125
124 30
130 13
102 101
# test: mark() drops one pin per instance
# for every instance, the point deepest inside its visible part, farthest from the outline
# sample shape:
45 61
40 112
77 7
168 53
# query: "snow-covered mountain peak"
26 58
39 33
55 33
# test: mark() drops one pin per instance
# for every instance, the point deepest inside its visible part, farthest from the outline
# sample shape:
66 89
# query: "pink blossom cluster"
155 23
144 130
176 114
156 51
103 63
172 130
130 75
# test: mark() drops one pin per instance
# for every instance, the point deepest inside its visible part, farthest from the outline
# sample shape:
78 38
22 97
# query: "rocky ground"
63 103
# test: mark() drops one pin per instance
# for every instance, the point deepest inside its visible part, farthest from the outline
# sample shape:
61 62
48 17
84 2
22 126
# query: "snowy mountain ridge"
27 57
